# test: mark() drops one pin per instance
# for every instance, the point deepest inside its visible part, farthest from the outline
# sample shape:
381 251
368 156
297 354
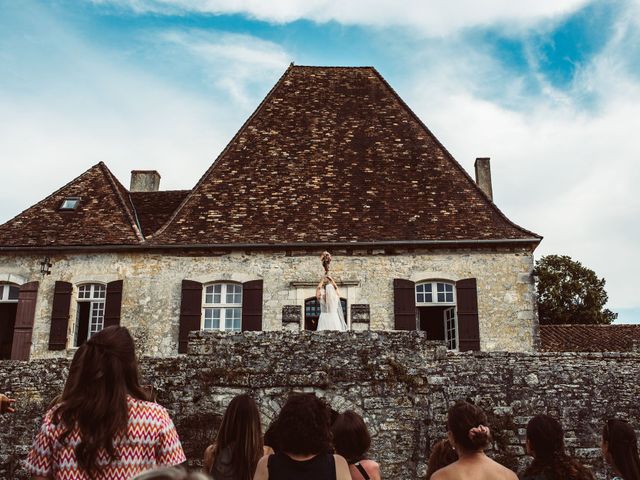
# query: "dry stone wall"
401 383
152 288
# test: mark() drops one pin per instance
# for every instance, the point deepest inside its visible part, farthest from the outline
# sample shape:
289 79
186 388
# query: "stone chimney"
144 181
483 176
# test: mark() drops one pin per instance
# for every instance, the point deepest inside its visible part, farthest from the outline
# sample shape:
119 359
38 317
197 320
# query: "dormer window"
70 203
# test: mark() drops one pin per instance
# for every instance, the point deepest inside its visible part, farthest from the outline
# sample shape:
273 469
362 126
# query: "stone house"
332 159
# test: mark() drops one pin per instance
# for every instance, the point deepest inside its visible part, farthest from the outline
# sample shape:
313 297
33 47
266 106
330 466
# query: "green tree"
569 292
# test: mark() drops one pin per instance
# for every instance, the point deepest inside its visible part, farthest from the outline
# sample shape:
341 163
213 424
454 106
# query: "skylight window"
70 203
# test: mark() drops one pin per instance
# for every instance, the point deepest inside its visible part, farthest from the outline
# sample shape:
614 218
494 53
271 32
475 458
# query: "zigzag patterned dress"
151 441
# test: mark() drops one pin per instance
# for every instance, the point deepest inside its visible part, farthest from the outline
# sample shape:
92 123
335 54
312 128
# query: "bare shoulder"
503 471
372 467
445 473
262 470
342 468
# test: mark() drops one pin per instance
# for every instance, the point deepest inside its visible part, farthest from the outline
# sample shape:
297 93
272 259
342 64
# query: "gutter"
279 246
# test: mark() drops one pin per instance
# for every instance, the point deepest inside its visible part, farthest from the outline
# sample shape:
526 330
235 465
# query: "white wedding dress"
331 316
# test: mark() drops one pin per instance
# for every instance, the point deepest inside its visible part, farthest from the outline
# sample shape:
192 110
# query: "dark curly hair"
546 439
304 425
462 417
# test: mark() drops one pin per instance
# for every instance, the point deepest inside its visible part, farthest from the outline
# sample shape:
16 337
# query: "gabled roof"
334 155
153 209
589 338
103 216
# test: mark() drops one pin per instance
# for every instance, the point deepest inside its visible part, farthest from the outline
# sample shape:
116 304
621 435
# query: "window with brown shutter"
60 316
404 304
113 303
190 312
468 325
252 306
25 315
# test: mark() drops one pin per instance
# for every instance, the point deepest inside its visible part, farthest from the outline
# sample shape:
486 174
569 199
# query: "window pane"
1 292
212 318
100 291
427 287
428 298
420 298
440 287
96 321
14 292
449 296
420 288
440 297
208 294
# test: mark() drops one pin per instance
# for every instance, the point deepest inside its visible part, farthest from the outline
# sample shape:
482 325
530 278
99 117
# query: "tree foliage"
569 292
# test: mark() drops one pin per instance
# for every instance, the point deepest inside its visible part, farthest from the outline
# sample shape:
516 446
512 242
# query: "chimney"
483 176
144 181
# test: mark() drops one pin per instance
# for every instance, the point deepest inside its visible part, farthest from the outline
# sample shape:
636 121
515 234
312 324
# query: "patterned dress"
151 441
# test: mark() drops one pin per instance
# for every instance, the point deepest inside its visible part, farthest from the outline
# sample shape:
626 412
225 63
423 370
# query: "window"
90 311
70 203
436 311
222 307
9 293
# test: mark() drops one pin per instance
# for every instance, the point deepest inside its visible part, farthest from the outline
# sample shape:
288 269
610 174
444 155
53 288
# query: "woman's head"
442 454
351 438
240 429
620 448
103 372
304 425
467 425
545 437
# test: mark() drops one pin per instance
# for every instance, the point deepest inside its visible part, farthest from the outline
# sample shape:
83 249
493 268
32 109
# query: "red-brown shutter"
113 303
467 311
25 315
60 316
404 304
190 312
252 306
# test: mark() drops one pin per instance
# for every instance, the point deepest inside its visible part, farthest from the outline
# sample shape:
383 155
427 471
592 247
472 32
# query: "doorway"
8 307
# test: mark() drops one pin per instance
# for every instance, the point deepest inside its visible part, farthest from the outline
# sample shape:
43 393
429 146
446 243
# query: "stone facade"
152 288
401 383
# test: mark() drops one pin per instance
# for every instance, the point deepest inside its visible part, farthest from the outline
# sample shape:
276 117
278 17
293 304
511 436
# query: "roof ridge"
114 182
221 155
450 156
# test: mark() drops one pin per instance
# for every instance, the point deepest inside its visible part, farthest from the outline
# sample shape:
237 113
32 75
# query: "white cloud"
70 105
563 170
232 62
433 17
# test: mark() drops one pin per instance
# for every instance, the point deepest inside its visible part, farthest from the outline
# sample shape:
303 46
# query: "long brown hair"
546 439
103 372
623 448
241 431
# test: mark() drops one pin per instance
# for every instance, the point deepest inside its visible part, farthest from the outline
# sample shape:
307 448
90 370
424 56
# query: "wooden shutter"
404 304
190 312
25 315
60 316
468 326
252 306
113 303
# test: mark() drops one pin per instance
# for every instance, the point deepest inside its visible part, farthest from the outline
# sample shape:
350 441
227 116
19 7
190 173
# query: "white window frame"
4 295
97 297
453 303
209 305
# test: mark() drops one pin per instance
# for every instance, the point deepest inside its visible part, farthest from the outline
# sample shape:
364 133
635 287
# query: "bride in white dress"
331 315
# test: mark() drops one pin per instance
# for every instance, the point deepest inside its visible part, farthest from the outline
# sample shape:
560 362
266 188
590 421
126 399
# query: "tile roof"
104 215
331 155
153 209
334 155
589 338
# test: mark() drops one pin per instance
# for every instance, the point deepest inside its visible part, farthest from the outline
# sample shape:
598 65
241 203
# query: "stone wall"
152 283
401 383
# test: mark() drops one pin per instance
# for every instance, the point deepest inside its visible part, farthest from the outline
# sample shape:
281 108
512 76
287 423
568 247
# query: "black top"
320 467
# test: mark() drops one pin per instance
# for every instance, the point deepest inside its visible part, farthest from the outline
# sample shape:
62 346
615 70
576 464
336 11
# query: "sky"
550 90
